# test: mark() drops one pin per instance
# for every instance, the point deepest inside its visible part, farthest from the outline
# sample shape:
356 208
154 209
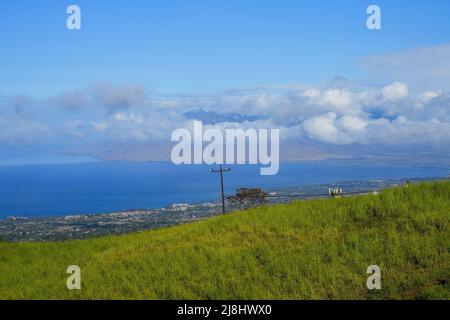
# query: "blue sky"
203 46
139 69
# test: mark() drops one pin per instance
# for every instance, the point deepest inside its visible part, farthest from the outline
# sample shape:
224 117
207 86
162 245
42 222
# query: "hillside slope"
317 249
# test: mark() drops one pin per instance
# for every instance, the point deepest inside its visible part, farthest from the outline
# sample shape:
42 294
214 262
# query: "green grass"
317 249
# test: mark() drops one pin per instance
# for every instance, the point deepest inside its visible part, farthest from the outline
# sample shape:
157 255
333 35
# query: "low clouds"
22 132
330 128
72 101
338 115
134 126
395 92
72 115
341 116
114 99
111 98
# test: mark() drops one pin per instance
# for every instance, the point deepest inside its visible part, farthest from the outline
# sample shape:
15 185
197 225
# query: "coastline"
81 226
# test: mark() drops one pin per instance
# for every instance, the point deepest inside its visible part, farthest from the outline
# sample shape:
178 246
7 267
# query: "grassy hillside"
318 249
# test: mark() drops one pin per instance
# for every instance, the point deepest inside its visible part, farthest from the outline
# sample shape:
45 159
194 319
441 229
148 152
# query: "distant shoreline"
80 226
119 212
98 188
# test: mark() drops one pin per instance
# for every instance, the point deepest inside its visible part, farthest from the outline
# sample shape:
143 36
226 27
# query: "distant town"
80 226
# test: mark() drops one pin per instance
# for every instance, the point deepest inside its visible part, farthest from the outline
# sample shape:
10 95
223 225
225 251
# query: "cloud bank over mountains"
408 116
108 116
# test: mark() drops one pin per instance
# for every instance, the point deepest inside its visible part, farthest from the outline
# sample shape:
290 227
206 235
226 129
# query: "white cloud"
341 99
352 124
426 68
332 129
395 91
323 128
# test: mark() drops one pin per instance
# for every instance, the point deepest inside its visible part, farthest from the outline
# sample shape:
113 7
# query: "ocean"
101 187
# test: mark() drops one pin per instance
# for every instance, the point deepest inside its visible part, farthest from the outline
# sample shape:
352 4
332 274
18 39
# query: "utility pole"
221 171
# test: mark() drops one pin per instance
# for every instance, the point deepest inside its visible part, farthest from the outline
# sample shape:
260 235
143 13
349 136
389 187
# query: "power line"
389 138
221 171
412 134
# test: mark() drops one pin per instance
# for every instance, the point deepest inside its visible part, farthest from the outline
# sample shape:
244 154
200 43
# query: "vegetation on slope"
316 249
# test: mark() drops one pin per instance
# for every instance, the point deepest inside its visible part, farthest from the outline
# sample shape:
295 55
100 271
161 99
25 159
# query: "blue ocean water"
47 190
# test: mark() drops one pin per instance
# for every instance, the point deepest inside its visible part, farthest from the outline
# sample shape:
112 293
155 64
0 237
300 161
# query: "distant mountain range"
290 151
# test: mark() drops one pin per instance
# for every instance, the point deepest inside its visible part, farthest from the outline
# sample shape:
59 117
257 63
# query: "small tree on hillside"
247 198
